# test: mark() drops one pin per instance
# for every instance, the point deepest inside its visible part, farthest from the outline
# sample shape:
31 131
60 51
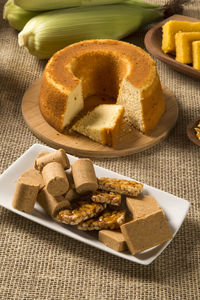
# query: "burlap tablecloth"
37 263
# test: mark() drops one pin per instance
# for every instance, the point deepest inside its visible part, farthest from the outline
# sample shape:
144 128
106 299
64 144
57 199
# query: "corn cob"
49 32
16 16
36 5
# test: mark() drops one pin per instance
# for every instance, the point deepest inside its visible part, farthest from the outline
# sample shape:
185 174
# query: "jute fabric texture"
37 263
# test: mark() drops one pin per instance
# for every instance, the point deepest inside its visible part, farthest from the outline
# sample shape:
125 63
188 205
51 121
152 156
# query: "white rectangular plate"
175 208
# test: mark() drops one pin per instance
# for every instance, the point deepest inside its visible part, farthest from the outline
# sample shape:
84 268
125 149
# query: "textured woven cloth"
37 263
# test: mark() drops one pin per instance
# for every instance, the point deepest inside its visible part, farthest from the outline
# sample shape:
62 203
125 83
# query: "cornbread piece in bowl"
107 68
170 28
101 124
184 46
196 54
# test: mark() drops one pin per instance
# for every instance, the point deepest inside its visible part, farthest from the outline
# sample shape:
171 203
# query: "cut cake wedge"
101 124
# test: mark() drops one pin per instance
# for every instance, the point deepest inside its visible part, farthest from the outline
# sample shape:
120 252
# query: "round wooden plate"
130 140
191 132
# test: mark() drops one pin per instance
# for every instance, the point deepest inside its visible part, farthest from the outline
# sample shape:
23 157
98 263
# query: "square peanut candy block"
142 206
113 239
146 232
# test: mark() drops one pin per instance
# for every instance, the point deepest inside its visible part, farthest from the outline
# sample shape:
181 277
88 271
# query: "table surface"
37 263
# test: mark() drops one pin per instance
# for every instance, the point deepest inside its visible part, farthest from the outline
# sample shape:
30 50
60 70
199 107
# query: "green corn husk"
143 4
40 5
49 32
16 16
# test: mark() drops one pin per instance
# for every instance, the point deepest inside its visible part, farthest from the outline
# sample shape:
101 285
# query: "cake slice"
101 124
196 54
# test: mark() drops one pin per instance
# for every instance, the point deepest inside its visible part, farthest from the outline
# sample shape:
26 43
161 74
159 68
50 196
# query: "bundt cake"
109 68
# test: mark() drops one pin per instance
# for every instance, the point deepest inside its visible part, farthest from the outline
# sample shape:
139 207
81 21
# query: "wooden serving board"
130 140
153 43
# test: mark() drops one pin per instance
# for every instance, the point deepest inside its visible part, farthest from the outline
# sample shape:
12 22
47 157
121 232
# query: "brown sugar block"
146 232
55 179
52 205
25 195
142 206
57 156
84 176
34 176
113 239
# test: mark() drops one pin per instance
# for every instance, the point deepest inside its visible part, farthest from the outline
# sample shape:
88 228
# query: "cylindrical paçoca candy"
55 179
25 195
84 176
58 156
52 205
70 179
34 176
71 193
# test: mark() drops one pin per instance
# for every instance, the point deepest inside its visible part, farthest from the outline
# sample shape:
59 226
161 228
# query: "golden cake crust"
67 67
140 63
